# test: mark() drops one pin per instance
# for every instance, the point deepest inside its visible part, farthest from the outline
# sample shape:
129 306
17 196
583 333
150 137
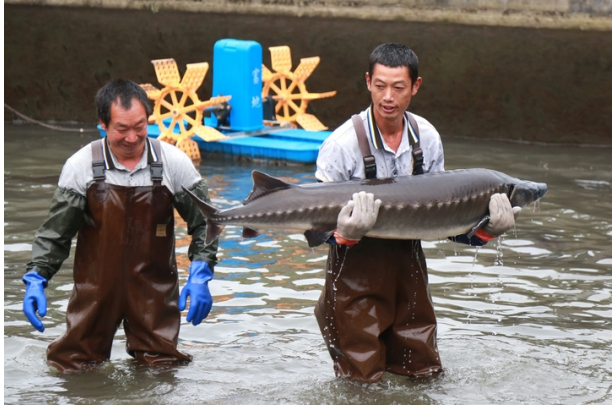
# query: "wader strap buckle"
157 173
370 167
98 170
417 155
97 164
155 161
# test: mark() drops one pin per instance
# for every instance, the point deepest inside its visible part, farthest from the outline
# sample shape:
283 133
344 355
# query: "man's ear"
416 85
102 124
367 78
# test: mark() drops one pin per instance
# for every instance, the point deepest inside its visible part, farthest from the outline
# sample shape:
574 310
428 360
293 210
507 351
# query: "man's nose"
132 136
388 94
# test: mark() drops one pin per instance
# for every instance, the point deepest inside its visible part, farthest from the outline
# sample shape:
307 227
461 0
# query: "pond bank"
494 82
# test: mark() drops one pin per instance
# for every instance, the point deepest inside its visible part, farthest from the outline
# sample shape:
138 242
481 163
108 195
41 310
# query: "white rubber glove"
358 216
502 215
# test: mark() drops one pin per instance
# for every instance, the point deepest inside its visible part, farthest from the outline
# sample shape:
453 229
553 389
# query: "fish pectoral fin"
250 233
317 237
482 223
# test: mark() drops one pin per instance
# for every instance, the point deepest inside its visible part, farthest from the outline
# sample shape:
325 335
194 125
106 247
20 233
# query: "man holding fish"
375 311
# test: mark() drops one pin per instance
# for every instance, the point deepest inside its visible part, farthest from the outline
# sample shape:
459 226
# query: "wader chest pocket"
160 231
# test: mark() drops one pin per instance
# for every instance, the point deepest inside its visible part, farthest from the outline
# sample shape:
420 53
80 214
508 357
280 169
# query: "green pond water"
524 320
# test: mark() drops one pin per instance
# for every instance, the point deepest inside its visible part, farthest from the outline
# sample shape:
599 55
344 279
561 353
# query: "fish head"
524 193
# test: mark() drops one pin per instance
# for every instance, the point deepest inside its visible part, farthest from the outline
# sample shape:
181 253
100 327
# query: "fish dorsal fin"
263 184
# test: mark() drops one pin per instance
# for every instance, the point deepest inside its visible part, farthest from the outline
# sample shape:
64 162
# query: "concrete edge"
507 18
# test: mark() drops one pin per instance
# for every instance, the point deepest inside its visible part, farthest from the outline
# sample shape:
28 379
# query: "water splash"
475 256
499 254
338 275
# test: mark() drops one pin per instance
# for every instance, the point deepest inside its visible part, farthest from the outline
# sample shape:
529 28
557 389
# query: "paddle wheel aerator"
288 89
178 111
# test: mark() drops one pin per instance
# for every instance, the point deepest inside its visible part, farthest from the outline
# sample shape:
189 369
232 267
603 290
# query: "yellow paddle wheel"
178 108
288 89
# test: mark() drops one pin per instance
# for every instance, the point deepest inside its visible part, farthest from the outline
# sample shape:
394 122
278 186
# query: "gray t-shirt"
77 174
340 158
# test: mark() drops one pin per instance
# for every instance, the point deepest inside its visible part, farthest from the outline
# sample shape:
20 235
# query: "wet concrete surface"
524 84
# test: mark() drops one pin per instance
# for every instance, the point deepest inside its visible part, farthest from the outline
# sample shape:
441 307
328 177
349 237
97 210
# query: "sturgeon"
429 206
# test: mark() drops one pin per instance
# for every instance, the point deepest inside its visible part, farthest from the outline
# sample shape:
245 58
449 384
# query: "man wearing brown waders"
375 311
119 195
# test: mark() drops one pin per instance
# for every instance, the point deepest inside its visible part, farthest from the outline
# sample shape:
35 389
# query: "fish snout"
542 189
527 192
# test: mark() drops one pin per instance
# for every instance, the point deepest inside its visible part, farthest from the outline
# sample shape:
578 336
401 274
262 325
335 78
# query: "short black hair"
393 55
123 90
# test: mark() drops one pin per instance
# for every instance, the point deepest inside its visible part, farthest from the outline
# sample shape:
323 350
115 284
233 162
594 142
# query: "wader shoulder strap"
100 160
368 159
97 158
154 159
415 142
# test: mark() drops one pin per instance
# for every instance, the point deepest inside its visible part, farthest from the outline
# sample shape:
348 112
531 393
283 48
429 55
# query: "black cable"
49 126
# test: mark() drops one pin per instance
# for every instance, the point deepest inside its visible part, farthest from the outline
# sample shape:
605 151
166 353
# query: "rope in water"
49 126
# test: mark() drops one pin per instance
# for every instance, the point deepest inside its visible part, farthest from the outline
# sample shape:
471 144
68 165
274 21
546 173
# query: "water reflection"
527 319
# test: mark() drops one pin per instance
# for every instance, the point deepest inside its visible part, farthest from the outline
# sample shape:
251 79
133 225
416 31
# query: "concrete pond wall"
547 81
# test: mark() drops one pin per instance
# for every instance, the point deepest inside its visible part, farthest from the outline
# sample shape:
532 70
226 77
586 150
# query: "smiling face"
126 130
391 89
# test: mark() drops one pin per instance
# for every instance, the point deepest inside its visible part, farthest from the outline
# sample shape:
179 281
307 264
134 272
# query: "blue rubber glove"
35 299
197 288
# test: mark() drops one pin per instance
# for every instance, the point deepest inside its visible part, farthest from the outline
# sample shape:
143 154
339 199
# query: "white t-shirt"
340 158
77 174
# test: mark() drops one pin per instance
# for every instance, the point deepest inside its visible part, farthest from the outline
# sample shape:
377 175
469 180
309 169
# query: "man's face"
391 89
127 130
